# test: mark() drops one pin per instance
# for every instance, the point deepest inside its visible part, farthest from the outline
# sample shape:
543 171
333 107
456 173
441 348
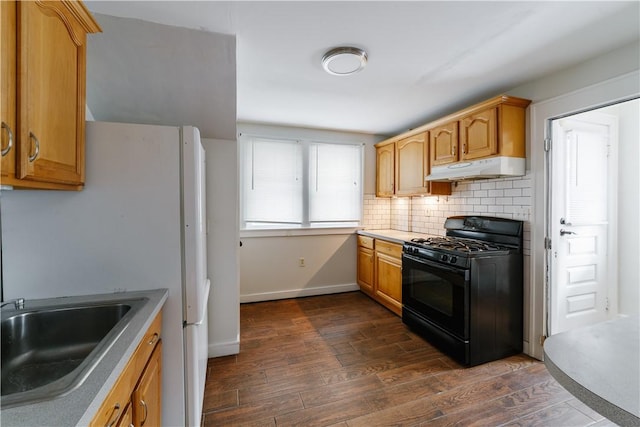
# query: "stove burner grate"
457 244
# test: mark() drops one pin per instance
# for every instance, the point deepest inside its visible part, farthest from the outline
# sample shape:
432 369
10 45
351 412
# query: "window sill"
293 232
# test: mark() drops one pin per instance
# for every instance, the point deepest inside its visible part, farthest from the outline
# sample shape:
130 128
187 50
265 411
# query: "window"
291 184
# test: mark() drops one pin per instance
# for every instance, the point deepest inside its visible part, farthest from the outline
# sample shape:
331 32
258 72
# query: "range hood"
492 167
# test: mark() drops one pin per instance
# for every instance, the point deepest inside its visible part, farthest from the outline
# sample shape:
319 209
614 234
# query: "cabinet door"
478 134
389 282
411 162
385 170
147 396
8 88
365 269
51 70
443 144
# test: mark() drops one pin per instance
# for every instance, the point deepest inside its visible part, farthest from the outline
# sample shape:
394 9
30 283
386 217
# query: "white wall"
270 266
222 247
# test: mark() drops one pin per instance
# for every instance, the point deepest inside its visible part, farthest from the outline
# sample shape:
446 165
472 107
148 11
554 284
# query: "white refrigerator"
139 223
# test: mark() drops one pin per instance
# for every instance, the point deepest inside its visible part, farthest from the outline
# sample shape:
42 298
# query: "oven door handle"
460 271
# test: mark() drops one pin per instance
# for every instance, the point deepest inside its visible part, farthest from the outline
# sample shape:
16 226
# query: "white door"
583 204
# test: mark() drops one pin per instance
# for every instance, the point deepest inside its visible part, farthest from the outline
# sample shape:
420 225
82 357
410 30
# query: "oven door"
438 293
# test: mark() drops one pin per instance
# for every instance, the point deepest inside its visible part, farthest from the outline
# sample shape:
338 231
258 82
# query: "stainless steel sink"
49 351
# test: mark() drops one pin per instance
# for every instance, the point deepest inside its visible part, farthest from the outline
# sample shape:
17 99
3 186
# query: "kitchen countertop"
394 236
79 406
600 365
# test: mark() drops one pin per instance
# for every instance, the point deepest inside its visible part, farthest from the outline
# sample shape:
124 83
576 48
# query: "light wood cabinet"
8 73
385 170
366 265
401 168
478 135
47 96
443 144
388 272
380 271
140 380
495 127
147 397
411 165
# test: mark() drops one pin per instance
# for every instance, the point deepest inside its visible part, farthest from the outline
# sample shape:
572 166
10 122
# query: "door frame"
609 92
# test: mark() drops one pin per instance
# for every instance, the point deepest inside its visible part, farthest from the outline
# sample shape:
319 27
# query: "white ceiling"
426 58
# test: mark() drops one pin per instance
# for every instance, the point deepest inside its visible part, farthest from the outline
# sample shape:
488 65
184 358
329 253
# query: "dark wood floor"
343 360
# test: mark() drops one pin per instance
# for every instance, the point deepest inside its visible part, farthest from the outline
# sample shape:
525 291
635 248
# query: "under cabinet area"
135 399
43 93
380 271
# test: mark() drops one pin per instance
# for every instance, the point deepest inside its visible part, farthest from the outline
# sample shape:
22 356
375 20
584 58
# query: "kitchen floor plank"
344 360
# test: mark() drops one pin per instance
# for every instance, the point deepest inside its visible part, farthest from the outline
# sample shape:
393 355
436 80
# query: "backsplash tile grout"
503 197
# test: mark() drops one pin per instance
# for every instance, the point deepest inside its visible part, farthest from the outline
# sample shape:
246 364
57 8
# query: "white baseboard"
296 293
223 349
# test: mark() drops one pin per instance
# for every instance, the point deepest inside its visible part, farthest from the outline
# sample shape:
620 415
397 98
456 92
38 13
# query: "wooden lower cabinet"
147 397
366 276
380 272
140 381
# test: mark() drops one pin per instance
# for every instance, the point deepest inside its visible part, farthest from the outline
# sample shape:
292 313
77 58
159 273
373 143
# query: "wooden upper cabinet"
411 165
8 88
478 135
385 170
49 92
443 144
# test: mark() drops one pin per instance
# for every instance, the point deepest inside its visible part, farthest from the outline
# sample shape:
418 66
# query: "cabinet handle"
453 150
5 151
154 339
144 406
116 414
464 148
37 147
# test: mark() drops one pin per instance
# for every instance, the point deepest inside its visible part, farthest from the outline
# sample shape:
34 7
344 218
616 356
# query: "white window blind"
300 183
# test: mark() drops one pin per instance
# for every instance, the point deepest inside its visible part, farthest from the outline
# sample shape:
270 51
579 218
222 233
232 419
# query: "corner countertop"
78 407
395 236
600 365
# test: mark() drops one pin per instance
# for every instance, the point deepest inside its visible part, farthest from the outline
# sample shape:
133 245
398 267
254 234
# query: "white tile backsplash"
504 198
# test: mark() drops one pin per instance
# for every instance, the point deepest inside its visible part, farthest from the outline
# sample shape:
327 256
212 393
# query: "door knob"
563 232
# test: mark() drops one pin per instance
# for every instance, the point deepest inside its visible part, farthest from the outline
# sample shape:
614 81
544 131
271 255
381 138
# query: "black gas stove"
453 250
463 292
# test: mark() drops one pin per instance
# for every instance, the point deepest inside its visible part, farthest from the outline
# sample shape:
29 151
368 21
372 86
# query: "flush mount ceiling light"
344 61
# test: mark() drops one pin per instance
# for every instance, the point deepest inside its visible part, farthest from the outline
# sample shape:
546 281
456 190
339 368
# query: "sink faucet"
18 303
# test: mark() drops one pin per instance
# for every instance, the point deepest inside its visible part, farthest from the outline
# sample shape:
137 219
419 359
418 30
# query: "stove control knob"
453 259
444 257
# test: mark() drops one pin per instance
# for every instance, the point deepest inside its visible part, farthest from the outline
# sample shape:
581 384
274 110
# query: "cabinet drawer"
391 249
366 242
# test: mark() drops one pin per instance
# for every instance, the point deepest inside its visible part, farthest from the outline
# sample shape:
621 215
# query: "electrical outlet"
301 262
